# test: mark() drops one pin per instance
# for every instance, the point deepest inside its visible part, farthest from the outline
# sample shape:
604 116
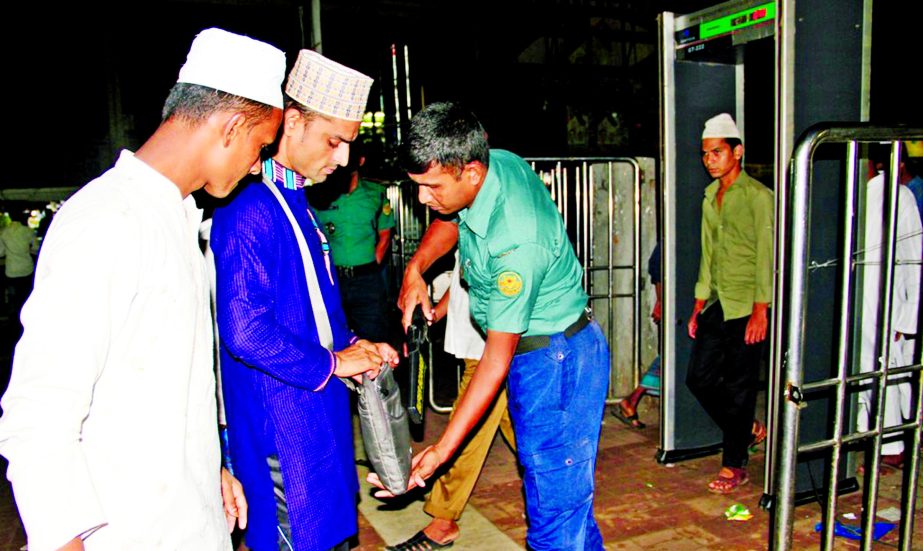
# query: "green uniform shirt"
353 221
736 264
522 274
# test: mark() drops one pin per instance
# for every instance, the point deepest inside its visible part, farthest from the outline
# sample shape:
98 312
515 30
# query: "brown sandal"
630 420
728 480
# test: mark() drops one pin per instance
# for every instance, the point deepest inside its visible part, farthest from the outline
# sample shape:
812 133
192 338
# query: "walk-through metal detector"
778 68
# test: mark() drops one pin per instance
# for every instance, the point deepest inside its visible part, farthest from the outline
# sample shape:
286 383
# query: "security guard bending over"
526 293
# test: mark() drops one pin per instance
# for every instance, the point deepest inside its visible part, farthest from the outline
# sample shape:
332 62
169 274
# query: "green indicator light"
740 20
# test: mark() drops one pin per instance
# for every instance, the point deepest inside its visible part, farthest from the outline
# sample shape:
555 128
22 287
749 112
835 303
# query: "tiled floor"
640 504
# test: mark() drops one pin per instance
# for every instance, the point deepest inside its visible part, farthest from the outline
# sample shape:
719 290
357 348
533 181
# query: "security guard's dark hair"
193 103
445 133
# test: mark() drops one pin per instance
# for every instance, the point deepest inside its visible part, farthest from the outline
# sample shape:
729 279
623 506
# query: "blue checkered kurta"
277 394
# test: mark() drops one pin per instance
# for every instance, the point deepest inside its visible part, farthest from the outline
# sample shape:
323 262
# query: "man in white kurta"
904 303
109 421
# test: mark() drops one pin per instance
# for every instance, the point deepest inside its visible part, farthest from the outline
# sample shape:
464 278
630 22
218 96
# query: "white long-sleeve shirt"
462 337
905 295
109 421
905 298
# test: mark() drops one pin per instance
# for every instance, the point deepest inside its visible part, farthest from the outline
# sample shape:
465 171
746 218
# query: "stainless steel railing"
583 190
788 366
578 185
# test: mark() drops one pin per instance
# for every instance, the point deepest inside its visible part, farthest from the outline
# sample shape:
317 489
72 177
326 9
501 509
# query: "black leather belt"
346 272
537 342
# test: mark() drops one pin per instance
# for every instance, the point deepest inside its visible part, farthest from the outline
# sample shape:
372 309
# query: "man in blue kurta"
525 288
289 427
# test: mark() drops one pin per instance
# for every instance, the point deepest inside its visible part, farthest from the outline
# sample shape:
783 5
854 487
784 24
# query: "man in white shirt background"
905 300
17 244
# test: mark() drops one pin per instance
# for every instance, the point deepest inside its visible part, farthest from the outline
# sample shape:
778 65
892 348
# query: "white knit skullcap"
325 86
236 65
720 126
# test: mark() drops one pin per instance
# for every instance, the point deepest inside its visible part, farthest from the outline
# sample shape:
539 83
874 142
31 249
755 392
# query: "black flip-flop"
630 420
420 542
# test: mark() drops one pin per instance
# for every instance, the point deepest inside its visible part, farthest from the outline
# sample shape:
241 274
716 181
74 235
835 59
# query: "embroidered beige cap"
720 126
325 86
237 65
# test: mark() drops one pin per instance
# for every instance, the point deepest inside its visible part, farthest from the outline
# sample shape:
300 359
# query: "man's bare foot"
442 530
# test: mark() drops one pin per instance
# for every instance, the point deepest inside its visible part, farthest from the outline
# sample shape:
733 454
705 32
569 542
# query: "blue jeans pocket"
541 385
560 479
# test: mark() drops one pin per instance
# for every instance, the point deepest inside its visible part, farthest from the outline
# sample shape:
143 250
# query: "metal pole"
852 155
912 469
668 250
397 100
912 474
799 192
564 196
583 217
579 184
610 276
590 220
560 192
784 137
886 285
316 43
407 79
636 273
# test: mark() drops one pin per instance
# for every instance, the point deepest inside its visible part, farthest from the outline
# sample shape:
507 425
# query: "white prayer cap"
325 86
236 65
720 126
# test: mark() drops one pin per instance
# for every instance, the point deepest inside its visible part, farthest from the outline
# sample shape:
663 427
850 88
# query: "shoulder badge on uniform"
386 207
509 284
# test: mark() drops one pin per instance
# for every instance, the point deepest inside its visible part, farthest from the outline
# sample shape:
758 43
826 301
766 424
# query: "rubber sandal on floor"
728 480
420 542
630 420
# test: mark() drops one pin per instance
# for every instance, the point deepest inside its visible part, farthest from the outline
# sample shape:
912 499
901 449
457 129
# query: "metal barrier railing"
575 188
788 367
575 184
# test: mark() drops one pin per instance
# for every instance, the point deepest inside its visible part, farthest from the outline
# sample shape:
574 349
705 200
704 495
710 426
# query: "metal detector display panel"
712 34
722 31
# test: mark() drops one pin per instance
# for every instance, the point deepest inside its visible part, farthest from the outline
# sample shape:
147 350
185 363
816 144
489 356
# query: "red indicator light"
758 14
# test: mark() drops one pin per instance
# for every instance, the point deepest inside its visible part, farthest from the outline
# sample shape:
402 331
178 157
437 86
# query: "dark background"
524 66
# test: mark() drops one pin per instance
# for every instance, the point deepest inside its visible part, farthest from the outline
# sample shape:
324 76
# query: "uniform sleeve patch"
509 284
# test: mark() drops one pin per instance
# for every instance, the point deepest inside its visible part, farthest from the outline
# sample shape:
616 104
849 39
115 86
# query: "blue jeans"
557 396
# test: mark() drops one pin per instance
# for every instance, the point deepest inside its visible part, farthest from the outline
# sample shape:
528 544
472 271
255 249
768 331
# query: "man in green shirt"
358 224
729 320
525 288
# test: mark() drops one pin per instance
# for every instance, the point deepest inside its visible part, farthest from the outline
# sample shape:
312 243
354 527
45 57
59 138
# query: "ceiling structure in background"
547 77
